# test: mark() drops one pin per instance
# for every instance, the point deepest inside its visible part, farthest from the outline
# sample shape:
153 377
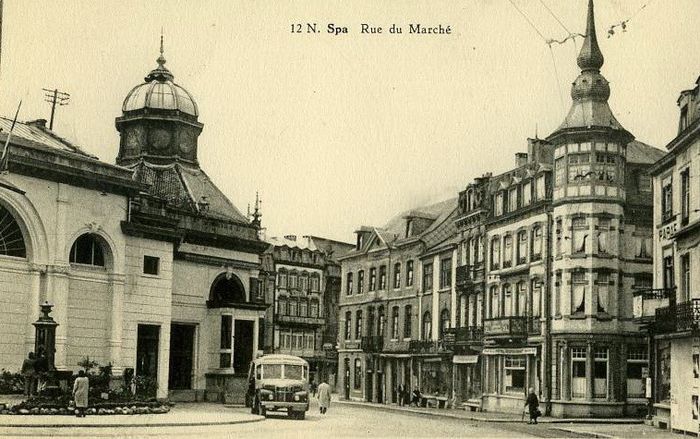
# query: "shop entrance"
181 356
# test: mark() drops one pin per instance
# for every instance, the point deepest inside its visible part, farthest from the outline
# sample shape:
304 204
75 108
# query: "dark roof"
186 186
35 134
638 152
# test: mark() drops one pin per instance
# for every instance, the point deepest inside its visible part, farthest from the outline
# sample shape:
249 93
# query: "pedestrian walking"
324 397
533 406
81 387
401 391
29 374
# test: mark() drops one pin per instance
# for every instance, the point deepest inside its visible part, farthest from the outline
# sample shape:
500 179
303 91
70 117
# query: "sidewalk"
181 415
489 416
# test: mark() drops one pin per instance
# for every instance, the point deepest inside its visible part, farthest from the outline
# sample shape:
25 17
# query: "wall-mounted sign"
667 231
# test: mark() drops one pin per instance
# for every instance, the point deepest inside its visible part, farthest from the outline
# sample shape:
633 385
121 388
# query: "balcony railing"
506 327
424 346
646 302
465 335
466 275
300 320
373 343
679 317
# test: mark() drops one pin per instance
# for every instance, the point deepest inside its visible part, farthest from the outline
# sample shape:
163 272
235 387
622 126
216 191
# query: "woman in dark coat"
532 404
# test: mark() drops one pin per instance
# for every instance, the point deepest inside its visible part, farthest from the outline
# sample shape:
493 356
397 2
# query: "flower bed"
37 406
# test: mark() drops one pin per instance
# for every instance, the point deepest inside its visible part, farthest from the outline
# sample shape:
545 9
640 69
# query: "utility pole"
55 97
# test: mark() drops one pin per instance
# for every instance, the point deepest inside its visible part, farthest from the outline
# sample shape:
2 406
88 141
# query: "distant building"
671 310
302 283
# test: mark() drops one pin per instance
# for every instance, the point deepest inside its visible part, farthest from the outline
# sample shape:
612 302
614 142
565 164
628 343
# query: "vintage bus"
278 383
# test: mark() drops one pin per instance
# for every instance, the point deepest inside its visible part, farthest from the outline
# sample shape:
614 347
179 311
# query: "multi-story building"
671 310
517 267
600 212
301 279
388 318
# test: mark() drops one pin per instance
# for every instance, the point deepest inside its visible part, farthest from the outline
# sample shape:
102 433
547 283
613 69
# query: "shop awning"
465 359
509 351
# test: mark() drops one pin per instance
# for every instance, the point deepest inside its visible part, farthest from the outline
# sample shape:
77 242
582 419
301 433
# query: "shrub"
11 382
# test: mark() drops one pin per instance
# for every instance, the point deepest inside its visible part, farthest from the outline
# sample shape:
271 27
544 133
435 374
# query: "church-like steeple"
590 57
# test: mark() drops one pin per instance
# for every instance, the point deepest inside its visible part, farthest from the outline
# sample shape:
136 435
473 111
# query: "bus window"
258 372
293 372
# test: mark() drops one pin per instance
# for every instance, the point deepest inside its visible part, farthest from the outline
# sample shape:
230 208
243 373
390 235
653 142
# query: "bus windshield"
293 372
272 371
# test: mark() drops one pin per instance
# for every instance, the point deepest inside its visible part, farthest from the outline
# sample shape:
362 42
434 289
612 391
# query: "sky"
338 131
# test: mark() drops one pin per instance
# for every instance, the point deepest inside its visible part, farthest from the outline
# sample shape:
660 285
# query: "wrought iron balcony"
465 335
678 317
373 343
468 275
424 346
506 327
646 302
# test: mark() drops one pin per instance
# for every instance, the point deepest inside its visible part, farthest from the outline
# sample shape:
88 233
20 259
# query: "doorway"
243 331
147 340
181 356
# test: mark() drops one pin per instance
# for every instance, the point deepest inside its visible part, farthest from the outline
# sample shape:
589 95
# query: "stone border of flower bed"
97 409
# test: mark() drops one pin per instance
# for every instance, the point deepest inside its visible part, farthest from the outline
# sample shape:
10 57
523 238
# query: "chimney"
520 159
291 237
540 151
39 123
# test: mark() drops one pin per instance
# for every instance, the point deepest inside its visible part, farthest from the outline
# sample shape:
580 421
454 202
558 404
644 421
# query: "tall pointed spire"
160 73
161 58
590 57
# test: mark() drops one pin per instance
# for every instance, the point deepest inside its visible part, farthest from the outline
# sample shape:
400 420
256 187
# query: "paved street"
341 421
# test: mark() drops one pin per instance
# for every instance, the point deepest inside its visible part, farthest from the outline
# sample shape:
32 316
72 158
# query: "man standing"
533 403
28 372
324 396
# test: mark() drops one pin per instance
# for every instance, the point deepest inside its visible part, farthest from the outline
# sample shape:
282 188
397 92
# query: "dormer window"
683 123
360 241
409 227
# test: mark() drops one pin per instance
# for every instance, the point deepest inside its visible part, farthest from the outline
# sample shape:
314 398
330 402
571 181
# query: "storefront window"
663 372
637 361
600 373
578 372
514 379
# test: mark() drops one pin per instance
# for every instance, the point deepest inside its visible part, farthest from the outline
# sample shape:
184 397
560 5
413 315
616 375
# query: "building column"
436 298
621 366
35 274
389 393
590 392
57 293
453 290
116 284
565 372
164 360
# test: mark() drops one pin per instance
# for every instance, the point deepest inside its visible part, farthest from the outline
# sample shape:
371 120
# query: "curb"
160 424
502 420
589 433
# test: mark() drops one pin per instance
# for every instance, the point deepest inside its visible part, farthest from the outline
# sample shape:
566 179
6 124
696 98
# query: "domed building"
148 265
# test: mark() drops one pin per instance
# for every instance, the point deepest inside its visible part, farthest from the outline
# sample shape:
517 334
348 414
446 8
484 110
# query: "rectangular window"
560 173
513 199
360 281
358 325
397 276
407 321
445 273
225 352
527 193
494 308
536 254
395 323
669 276
637 360
514 381
427 277
580 234
348 283
522 247
495 253
282 279
303 308
348 325
372 279
313 309
151 264
409 273
293 310
667 199
293 281
603 286
604 236
579 287
578 372
685 196
507 251
382 277
685 279
600 373
498 204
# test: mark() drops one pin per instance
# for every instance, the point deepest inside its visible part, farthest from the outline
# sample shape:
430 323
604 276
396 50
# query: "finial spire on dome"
590 57
160 73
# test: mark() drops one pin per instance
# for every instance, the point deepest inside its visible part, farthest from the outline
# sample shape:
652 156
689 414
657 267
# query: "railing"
466 275
373 343
465 335
646 302
506 326
424 346
678 318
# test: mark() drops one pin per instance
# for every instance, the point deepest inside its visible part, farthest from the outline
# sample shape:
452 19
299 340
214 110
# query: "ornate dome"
159 92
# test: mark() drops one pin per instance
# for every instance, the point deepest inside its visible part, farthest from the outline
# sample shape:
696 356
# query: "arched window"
427 326
87 250
444 322
227 289
11 238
